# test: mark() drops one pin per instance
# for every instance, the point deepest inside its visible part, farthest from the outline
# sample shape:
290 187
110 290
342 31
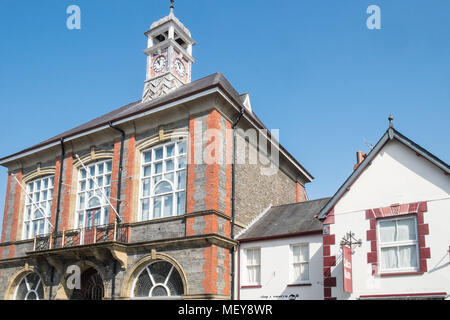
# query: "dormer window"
38 207
163 181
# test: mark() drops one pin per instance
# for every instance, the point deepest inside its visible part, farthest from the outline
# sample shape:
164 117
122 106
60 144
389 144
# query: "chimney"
359 158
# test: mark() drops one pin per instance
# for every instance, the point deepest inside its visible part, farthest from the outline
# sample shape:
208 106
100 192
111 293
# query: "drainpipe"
119 178
119 191
233 204
58 206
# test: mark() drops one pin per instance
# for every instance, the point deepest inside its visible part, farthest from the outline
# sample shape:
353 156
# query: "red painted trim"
299 285
251 287
281 236
412 273
395 210
405 295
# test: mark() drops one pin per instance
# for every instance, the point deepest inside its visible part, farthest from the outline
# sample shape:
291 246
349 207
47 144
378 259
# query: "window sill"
251 287
408 273
306 284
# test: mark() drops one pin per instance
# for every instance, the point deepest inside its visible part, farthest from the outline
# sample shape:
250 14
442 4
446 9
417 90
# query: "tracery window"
38 207
30 288
163 181
158 279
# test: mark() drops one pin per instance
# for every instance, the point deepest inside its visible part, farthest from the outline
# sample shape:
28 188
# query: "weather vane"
172 5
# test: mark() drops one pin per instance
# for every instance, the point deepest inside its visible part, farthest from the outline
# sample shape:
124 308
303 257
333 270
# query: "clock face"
180 68
159 64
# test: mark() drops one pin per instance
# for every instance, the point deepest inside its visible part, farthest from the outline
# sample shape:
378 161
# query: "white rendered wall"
275 270
397 175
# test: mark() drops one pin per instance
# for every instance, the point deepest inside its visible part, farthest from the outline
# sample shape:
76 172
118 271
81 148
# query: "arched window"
37 212
30 288
92 207
158 279
163 181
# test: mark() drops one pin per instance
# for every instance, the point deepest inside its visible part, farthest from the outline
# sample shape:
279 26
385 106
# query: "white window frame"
104 206
292 263
174 185
398 244
247 282
33 206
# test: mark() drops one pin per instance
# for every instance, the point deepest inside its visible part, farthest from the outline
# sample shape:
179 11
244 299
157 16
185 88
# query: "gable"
397 174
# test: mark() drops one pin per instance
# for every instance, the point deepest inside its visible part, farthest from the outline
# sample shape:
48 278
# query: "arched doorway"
91 286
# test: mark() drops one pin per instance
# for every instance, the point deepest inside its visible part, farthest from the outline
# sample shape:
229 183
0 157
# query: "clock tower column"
169 57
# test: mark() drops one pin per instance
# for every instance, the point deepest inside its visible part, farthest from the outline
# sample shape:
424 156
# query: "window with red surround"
404 239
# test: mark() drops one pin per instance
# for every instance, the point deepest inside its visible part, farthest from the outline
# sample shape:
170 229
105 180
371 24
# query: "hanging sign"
347 258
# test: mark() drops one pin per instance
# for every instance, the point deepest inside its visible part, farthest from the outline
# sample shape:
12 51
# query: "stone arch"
64 293
18 276
134 271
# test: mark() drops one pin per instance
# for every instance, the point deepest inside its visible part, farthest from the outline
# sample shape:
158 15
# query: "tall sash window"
38 210
163 181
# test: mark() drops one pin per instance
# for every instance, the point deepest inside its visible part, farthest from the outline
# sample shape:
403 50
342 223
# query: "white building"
280 254
397 203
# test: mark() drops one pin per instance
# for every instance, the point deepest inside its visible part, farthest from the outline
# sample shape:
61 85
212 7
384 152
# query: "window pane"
253 275
182 147
108 180
94 202
147 156
158 168
159 154
81 205
406 230
181 180
38 185
157 179
169 176
157 207
163 187
169 165
145 209
108 167
45 183
83 174
41 227
100 168
389 258
181 203
100 182
407 257
387 231
146 188
92 171
83 185
147 171
170 150
182 163
168 206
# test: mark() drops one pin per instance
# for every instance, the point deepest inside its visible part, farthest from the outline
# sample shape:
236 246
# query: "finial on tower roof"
172 5
391 121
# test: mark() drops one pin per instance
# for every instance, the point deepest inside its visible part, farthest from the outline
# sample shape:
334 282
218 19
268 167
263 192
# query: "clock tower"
169 57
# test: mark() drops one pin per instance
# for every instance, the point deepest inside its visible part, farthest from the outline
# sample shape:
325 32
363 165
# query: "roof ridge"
294 203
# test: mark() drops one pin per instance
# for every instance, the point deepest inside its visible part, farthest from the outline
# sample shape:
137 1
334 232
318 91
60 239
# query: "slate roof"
216 80
286 219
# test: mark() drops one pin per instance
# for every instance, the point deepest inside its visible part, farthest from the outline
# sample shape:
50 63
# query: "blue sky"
313 69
